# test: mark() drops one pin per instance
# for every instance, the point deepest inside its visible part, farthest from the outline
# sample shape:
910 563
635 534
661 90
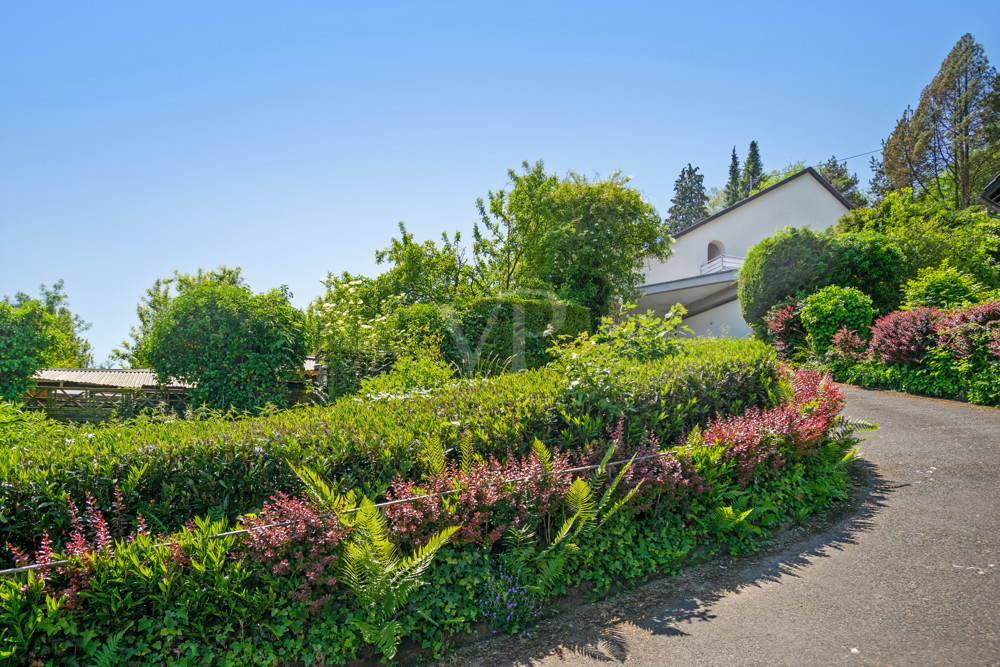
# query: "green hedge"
199 605
172 471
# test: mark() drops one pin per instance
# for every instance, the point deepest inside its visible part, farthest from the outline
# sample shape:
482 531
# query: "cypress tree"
753 171
690 203
732 191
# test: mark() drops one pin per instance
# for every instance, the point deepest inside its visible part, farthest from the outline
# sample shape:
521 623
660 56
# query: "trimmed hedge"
208 601
172 471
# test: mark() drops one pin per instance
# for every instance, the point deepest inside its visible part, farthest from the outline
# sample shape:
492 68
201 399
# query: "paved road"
912 576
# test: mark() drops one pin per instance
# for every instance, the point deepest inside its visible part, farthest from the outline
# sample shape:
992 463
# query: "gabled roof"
808 170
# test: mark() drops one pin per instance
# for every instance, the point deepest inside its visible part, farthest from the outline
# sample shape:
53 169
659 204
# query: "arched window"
715 248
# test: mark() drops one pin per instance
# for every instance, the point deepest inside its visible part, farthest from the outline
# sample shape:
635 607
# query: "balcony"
721 263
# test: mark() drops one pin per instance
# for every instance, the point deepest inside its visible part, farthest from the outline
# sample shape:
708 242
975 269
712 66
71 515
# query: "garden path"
907 572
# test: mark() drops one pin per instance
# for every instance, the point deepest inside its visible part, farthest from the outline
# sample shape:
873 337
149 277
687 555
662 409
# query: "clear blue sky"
290 137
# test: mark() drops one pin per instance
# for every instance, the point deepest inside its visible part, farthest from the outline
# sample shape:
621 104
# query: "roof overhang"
696 293
991 194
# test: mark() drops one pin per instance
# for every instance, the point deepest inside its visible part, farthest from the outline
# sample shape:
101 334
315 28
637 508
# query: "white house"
701 274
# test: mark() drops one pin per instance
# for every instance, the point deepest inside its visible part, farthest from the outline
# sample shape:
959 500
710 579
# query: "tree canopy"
26 334
67 346
690 202
157 300
237 347
949 146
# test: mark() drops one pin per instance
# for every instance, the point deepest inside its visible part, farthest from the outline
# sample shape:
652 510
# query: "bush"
903 337
422 369
172 470
871 263
238 349
280 595
943 286
791 262
832 308
784 322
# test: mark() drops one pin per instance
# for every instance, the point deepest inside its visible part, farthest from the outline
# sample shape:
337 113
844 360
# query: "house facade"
701 275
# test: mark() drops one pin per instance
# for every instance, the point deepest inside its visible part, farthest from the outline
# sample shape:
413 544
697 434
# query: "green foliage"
731 193
943 286
947 148
833 308
690 203
587 241
871 263
157 300
380 580
753 171
238 349
792 261
25 337
226 467
68 348
422 369
928 232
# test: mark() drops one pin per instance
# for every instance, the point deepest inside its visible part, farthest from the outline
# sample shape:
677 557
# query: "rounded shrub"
870 262
830 309
942 286
904 336
793 261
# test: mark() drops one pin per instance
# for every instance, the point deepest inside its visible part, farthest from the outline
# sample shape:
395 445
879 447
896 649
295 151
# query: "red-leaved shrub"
290 539
903 337
784 321
485 503
963 330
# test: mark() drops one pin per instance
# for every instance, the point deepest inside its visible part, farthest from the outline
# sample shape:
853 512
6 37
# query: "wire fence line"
390 503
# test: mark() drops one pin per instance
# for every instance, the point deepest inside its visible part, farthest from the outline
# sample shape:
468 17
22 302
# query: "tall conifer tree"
690 203
732 191
753 171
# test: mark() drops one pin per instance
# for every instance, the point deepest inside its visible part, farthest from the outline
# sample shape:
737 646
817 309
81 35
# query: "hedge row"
172 471
274 598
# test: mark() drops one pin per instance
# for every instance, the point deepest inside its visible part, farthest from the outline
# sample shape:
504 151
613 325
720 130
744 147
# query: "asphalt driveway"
909 573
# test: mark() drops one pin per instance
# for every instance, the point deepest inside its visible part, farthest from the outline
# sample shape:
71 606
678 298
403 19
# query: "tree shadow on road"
600 632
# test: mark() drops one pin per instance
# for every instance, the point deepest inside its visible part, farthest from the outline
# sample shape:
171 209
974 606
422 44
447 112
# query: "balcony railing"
721 263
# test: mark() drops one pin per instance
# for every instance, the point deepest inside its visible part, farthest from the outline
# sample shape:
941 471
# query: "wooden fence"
91 404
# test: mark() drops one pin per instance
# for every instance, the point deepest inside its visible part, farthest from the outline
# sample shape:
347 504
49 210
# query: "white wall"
726 320
801 202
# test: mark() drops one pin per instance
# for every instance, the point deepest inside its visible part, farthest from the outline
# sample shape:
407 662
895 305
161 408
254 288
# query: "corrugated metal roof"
142 378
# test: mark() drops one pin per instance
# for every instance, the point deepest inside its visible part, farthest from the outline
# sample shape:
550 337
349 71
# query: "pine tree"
843 180
949 146
732 191
753 171
690 203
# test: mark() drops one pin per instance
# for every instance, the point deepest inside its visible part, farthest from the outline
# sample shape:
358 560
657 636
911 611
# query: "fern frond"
846 427
581 499
325 498
467 453
435 454
544 456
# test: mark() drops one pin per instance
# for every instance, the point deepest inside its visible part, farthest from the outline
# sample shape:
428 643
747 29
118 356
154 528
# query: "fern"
381 581
847 427
435 454
467 453
543 455
325 498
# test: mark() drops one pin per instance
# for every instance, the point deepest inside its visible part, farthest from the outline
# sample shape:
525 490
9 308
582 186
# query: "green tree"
843 180
238 349
513 224
423 272
690 203
157 300
948 146
68 348
26 334
753 171
732 190
880 186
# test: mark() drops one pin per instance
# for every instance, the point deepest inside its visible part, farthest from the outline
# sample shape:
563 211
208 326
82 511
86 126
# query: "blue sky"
290 138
